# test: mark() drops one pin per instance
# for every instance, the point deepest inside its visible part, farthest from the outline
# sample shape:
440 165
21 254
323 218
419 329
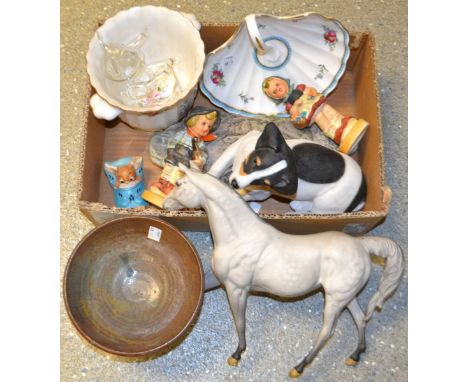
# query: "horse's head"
187 193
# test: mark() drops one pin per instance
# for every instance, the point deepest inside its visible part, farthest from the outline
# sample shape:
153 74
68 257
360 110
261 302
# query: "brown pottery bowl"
130 295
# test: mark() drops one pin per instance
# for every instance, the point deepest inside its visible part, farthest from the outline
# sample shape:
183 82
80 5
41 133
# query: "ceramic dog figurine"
250 255
318 179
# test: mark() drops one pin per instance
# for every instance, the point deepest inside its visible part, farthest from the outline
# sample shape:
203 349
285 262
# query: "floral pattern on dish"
329 37
217 75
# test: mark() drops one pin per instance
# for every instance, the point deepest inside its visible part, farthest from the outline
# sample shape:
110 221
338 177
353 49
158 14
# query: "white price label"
154 233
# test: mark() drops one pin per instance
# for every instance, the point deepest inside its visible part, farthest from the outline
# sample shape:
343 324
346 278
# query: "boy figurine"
187 147
306 105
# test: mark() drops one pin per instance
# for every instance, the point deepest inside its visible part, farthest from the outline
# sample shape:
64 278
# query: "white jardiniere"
168 35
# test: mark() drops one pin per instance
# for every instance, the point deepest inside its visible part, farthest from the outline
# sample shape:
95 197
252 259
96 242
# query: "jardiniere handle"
102 109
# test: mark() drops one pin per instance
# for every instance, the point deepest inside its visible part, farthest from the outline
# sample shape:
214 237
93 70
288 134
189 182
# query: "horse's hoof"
232 361
293 373
351 362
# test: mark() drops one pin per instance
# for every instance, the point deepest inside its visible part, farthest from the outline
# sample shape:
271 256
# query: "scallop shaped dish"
304 49
129 294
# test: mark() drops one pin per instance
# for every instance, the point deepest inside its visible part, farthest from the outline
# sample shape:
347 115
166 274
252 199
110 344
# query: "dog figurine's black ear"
284 182
271 137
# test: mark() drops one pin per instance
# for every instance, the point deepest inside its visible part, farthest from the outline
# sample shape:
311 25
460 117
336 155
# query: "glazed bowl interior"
169 35
130 295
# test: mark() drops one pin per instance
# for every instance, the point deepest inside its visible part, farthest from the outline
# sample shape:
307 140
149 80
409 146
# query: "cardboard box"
356 94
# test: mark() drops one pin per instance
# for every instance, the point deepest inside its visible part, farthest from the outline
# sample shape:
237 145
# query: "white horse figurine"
250 255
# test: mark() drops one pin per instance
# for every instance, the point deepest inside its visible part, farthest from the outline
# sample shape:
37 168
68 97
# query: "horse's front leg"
238 302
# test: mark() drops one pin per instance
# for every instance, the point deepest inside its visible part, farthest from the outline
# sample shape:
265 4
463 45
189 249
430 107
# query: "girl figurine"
187 147
306 105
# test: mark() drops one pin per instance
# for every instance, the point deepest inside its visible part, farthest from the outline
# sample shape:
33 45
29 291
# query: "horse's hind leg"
238 301
358 317
331 312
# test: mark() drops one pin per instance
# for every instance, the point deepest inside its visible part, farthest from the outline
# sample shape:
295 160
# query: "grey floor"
279 334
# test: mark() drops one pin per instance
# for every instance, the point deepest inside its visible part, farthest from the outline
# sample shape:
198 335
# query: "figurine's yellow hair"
193 120
266 83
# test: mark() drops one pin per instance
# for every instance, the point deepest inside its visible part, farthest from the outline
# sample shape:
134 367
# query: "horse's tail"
393 269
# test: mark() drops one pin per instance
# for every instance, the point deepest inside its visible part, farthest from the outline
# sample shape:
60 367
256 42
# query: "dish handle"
267 54
254 34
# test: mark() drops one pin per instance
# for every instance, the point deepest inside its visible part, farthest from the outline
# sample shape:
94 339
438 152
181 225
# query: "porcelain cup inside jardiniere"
152 36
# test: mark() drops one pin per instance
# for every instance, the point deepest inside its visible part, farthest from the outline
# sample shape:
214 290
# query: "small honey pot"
125 176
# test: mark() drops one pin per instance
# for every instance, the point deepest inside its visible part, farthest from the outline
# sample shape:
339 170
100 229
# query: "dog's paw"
301 206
